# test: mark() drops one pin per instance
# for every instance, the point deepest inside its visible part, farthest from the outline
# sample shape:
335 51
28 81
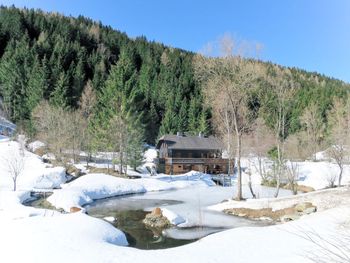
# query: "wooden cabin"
181 153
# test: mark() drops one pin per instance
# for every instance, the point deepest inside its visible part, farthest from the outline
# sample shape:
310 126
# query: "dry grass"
40 151
300 188
265 212
112 172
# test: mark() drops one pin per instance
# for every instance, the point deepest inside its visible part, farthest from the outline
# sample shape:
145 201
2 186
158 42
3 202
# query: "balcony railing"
207 161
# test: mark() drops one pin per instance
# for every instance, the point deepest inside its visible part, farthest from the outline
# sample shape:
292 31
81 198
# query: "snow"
38 235
80 238
33 146
313 174
323 200
35 173
91 187
173 218
63 238
110 218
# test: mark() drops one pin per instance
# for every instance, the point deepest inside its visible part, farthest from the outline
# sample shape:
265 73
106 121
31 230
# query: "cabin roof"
185 142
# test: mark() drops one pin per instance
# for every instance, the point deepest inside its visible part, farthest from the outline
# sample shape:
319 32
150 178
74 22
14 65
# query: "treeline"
46 56
53 58
266 110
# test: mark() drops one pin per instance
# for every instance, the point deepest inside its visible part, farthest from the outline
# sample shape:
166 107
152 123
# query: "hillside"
50 56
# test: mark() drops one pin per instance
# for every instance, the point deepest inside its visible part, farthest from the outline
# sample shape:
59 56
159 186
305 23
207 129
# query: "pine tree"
78 79
203 125
182 117
37 84
168 124
193 116
152 125
59 95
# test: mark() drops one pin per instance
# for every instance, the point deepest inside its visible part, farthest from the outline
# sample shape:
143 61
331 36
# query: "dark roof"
190 142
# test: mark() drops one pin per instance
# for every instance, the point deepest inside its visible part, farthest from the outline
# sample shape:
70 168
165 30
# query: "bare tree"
283 88
250 183
331 178
333 248
87 103
227 82
50 124
61 129
294 153
259 142
339 119
292 176
14 164
314 127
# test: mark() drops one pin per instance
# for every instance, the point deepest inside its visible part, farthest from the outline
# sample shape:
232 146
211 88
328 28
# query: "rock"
265 218
110 219
156 219
157 211
74 209
302 206
287 218
310 210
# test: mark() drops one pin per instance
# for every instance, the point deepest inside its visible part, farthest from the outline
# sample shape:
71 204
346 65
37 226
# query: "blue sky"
310 34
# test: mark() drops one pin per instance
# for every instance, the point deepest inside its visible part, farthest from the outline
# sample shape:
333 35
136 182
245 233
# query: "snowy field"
29 234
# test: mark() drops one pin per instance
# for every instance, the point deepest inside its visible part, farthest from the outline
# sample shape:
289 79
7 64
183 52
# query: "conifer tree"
59 95
37 84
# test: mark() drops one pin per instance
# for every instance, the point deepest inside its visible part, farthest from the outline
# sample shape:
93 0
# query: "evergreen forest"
54 58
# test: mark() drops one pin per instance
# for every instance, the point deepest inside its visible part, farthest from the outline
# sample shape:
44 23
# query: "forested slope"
50 56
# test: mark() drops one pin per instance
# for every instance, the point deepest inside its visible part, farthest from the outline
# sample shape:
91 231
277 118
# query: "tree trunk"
278 178
239 169
251 187
340 175
14 183
228 143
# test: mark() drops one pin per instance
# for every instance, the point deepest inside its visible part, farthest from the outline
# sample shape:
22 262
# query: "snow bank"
80 238
11 206
64 238
90 187
34 174
173 218
4 138
314 174
322 199
33 146
52 178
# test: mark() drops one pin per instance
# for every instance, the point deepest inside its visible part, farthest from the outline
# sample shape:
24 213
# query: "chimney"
200 135
179 134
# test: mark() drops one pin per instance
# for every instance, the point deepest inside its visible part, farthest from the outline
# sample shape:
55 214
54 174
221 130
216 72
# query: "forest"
49 61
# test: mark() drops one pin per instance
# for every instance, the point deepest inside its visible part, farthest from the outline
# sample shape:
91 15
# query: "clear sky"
310 34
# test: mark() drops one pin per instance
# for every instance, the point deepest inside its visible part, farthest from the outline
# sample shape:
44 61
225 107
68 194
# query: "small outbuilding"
182 153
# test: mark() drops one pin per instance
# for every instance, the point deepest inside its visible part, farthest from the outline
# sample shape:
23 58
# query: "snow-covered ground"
91 187
38 235
80 238
33 172
314 174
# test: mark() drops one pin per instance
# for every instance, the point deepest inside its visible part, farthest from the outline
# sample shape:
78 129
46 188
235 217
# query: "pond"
129 214
190 203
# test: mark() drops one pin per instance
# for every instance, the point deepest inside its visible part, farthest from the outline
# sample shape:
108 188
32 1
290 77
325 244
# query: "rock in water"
302 206
157 211
156 219
74 209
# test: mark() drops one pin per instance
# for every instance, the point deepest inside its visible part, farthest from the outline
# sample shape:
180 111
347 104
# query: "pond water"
190 203
129 214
